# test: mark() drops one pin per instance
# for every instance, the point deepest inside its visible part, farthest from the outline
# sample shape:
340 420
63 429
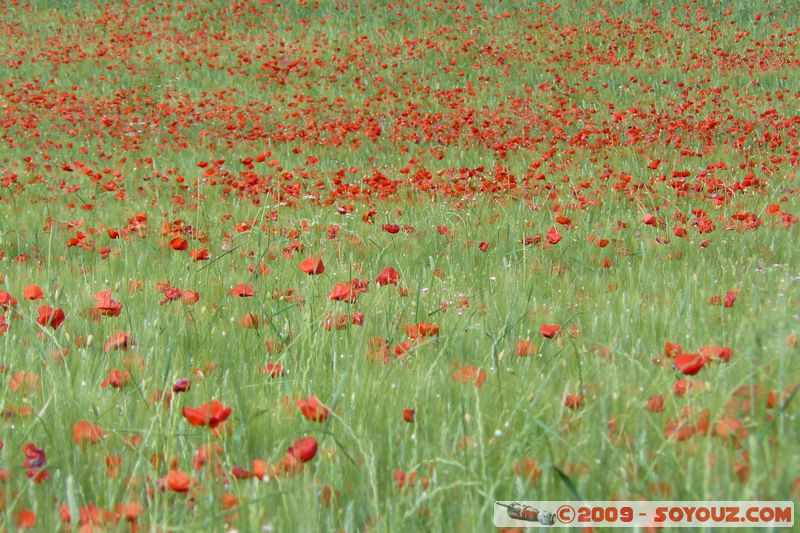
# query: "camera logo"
517 511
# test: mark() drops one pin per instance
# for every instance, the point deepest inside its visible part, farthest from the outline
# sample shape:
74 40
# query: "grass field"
421 257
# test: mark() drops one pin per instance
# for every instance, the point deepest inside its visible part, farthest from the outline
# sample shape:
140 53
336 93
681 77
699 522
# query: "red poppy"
470 374
303 449
689 363
730 299
181 385
130 510
200 255
312 266
730 427
525 348
409 415
574 400
243 290
389 276
672 349
421 329
273 370
348 292
313 410
553 235
50 317
107 306
119 341
391 228
33 292
655 404
682 386
549 331
117 379
6 300
179 244
25 519
250 321
178 481
649 219
24 382
210 414
35 457
678 431
190 297
716 352
483 246
84 432
171 294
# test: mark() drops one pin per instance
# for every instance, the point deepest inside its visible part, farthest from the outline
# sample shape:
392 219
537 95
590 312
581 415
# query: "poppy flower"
178 481
210 414
348 292
525 348
33 292
171 294
549 331
483 246
6 300
678 431
303 449
273 370
655 404
242 290
35 457
313 410
190 297
730 299
730 427
84 432
117 379
470 374
649 219
682 386
130 510
200 255
341 292
409 415
672 349
181 385
421 329
179 244
24 382
689 363
119 341
574 400
391 228
50 317
712 352
553 235
25 519
105 305
312 266
389 276
250 321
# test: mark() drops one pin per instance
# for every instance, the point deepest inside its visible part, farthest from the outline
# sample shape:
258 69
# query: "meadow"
371 266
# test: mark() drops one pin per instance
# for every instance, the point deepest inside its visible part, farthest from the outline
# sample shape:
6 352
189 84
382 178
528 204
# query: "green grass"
466 440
